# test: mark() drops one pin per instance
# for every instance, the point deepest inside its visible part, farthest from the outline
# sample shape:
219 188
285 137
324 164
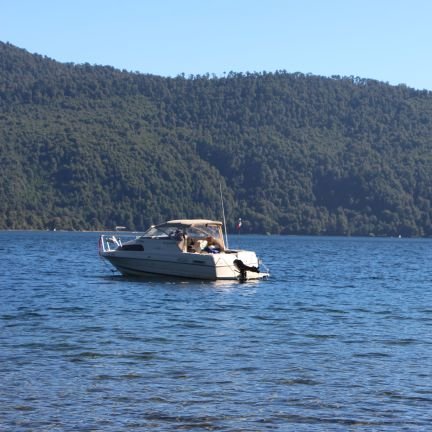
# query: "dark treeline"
91 147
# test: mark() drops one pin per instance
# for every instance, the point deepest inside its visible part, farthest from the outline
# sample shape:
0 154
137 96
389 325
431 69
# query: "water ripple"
338 339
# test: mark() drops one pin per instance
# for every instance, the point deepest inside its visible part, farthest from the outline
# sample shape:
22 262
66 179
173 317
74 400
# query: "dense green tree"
91 147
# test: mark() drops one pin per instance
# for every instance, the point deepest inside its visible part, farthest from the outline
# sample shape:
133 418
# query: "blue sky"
387 40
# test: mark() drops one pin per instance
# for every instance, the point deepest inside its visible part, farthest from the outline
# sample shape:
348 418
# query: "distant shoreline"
230 234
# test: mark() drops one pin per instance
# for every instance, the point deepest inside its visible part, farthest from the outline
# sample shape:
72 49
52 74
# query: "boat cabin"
191 235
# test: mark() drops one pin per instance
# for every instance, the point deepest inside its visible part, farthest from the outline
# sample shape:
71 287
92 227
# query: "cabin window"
132 247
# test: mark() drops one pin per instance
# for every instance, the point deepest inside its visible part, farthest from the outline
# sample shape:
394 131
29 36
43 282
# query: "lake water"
339 338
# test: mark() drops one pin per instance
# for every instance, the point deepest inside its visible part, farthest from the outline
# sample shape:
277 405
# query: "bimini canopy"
192 222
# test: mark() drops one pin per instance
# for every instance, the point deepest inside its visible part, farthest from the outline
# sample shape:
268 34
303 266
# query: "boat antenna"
223 215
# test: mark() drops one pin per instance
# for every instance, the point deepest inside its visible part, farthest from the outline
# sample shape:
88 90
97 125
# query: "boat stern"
248 266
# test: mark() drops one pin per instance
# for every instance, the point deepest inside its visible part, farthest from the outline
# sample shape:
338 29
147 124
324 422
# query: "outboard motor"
243 268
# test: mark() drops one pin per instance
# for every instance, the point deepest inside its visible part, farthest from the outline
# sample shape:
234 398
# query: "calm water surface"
339 338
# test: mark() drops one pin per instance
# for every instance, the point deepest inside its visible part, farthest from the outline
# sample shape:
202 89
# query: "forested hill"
91 147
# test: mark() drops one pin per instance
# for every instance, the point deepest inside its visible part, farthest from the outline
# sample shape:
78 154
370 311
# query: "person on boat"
214 244
177 235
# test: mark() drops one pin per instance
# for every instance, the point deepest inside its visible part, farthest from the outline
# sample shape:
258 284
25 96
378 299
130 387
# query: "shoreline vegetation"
233 234
83 147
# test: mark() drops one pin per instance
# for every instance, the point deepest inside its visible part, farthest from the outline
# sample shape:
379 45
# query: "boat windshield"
174 230
164 231
203 231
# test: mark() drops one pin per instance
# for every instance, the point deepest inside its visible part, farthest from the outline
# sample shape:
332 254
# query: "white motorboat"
190 248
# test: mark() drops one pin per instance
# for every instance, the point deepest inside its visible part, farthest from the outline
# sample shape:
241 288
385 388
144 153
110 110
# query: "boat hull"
186 265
